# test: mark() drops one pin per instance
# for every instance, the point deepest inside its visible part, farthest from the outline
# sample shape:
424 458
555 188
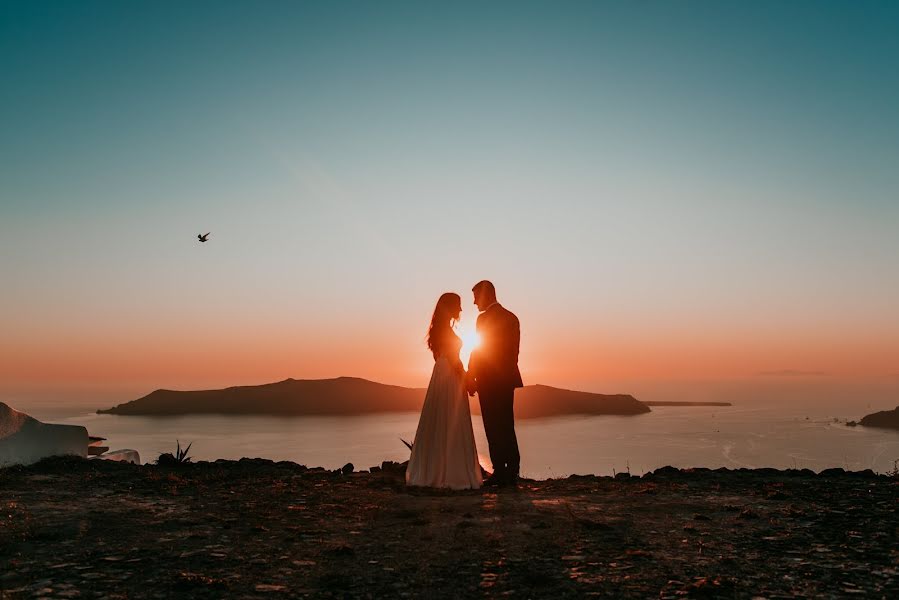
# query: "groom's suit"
493 368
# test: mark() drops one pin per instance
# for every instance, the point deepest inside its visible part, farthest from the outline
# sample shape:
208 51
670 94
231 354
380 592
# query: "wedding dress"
444 454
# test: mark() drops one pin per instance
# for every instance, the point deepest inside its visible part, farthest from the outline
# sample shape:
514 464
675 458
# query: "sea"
811 435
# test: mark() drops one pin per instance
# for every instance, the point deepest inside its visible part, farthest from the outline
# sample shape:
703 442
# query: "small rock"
593 524
835 472
347 468
390 466
667 470
867 473
343 550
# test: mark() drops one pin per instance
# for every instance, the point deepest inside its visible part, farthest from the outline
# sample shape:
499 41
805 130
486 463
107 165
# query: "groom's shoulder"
508 314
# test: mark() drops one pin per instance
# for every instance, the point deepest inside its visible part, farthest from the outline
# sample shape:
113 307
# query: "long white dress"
444 454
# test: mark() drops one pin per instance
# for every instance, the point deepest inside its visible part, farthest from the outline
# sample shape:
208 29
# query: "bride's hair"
442 322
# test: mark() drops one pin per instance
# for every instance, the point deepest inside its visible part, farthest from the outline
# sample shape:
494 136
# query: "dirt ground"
74 528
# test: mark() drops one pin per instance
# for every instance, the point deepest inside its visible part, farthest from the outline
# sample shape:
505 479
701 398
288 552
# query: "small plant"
181 455
179 458
894 472
408 445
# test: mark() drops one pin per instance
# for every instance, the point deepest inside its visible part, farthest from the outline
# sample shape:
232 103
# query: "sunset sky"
659 190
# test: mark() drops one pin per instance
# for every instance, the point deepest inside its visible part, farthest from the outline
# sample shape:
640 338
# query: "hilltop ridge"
355 396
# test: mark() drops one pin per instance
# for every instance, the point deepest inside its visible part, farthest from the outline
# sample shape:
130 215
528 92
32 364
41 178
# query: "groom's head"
484 295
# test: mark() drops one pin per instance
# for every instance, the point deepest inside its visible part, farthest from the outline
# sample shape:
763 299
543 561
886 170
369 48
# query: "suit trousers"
499 424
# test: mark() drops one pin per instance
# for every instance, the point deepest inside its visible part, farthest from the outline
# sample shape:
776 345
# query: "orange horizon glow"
566 359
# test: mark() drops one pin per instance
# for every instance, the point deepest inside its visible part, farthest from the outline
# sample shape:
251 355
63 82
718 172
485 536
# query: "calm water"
751 435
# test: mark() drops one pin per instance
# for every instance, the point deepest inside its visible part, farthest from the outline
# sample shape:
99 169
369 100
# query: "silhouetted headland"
663 403
355 396
888 419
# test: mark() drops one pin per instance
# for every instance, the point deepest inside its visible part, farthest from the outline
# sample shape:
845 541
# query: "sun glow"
470 340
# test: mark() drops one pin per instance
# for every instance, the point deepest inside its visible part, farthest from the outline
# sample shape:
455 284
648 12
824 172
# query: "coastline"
258 528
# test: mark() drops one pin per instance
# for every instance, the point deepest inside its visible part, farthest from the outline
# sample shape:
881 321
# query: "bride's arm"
452 355
457 364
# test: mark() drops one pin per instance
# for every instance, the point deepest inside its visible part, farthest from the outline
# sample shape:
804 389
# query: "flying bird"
203 237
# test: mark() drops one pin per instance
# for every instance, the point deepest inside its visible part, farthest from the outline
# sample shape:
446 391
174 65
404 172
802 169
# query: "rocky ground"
73 528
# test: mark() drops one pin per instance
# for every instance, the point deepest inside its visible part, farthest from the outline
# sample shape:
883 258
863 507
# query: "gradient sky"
658 189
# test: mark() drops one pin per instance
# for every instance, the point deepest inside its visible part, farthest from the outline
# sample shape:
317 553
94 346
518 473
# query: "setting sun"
470 340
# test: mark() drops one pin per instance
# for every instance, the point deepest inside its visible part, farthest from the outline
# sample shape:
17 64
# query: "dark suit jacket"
494 364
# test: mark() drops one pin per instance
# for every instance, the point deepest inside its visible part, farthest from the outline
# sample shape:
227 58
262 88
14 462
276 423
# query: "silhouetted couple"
444 453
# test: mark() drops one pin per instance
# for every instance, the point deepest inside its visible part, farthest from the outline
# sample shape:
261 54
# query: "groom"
493 374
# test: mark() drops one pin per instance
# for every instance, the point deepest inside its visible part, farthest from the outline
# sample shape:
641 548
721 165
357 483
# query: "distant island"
661 403
355 396
888 419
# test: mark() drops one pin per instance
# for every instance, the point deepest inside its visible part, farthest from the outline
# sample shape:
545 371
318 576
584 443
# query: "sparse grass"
894 472
181 455
179 458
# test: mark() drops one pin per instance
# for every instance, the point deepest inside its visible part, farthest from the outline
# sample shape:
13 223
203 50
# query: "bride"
444 453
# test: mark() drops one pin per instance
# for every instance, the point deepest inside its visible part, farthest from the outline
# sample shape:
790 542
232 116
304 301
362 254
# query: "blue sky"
623 171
